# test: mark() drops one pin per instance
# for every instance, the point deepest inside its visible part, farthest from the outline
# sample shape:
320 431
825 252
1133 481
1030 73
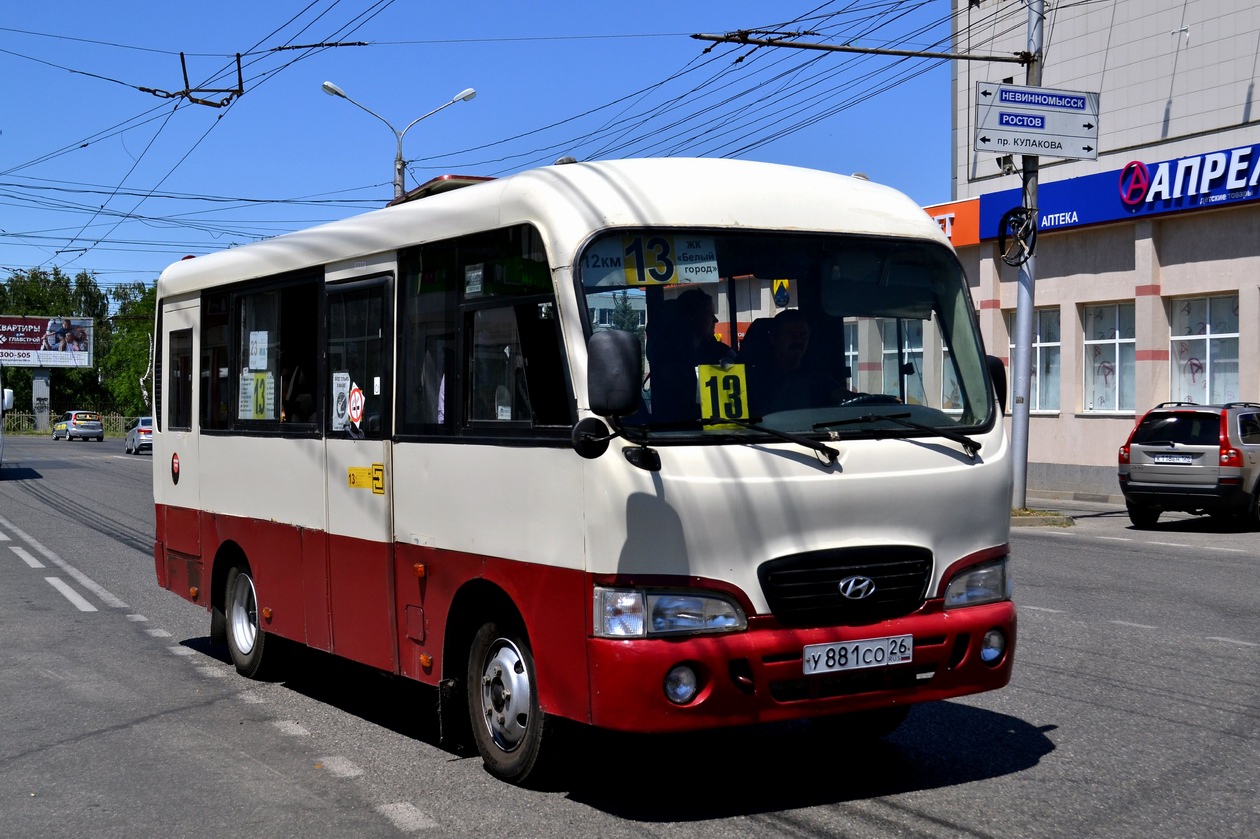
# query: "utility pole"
1021 364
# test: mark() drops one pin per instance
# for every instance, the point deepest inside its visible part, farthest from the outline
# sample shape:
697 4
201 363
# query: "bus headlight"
987 583
633 613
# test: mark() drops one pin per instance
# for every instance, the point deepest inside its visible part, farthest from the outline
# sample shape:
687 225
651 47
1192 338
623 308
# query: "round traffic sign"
356 405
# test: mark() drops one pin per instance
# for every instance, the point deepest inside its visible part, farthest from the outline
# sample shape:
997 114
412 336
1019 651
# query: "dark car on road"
1193 458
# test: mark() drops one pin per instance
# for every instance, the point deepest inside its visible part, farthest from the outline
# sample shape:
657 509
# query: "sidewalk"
1053 503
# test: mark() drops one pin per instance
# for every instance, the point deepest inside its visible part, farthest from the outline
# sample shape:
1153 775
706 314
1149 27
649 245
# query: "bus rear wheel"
507 722
245 638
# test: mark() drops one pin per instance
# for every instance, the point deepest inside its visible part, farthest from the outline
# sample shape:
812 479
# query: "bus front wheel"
245 638
507 723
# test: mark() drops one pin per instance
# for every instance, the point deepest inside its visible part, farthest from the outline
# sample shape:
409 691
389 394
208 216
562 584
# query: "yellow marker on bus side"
367 477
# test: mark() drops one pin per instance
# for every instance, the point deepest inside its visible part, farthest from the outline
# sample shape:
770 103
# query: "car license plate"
858 655
1173 458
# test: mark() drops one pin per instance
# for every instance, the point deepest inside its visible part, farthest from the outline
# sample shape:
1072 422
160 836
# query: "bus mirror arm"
591 437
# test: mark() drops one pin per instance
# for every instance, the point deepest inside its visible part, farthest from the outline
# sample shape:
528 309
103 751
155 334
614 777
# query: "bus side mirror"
614 372
997 372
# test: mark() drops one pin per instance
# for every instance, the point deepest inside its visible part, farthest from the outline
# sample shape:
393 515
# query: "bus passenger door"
176 476
360 541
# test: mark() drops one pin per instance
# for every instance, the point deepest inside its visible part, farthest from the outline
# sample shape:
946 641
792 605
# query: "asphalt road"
1134 710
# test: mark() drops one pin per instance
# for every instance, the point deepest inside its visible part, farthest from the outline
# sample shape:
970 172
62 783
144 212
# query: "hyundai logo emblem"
857 588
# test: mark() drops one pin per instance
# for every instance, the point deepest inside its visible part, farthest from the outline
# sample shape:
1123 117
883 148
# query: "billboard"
45 341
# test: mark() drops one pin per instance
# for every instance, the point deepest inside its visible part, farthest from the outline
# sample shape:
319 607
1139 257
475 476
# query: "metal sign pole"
1021 375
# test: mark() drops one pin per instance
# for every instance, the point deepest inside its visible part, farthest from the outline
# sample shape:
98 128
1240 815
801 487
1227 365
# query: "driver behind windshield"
781 382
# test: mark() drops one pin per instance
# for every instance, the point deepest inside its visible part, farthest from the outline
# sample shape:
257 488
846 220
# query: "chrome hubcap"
243 614
505 695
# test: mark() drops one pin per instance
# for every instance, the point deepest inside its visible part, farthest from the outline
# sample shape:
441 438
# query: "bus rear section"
622 443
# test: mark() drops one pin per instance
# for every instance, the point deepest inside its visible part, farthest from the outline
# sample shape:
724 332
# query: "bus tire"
507 723
246 640
218 625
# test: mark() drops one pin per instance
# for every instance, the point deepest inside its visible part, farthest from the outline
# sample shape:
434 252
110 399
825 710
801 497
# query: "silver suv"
1195 459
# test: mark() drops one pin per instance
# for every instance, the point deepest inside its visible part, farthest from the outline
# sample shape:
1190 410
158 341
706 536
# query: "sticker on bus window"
257 396
258 350
340 399
723 392
650 259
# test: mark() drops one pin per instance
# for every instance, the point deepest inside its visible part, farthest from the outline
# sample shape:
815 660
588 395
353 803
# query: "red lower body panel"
389 606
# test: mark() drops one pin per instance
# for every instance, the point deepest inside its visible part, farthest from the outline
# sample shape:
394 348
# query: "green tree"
127 367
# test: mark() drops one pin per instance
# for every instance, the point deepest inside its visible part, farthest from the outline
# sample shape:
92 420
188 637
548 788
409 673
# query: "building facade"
1147 261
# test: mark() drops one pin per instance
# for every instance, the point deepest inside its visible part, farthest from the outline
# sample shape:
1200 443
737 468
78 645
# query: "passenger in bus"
297 403
780 381
699 319
681 336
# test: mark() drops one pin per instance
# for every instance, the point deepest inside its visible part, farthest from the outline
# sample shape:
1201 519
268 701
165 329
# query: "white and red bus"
549 443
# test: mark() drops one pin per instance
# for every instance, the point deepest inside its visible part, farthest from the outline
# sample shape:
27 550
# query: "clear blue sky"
97 174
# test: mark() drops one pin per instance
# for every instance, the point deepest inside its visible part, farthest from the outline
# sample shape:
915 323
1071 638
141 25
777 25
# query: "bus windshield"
801 333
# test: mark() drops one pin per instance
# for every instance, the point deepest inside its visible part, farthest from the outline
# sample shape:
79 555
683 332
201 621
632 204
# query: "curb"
1042 521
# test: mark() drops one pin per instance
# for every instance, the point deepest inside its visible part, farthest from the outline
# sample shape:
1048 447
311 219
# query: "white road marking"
179 649
291 728
1134 625
212 672
1234 641
1040 609
4 537
1116 538
158 633
137 618
26 557
406 817
340 767
79 577
70 594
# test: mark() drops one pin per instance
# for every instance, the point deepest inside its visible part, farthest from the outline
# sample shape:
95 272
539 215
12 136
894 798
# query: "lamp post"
399 164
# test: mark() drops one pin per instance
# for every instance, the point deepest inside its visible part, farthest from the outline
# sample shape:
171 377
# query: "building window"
851 367
903 358
1043 388
1109 355
1204 349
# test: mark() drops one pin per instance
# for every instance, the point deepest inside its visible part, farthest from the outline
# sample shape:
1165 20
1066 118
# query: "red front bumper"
757 677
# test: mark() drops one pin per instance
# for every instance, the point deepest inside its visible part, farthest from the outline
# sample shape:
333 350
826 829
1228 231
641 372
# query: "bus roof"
569 202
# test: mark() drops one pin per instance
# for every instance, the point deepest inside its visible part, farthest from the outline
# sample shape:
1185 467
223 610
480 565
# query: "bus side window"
179 389
276 337
494 357
216 400
427 340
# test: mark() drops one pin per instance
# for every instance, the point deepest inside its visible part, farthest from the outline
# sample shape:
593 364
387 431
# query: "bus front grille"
805 589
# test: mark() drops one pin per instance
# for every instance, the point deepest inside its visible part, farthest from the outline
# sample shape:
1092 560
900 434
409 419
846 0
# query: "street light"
399 164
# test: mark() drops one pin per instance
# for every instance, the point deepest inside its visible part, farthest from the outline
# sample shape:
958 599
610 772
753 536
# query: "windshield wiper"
827 451
970 445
